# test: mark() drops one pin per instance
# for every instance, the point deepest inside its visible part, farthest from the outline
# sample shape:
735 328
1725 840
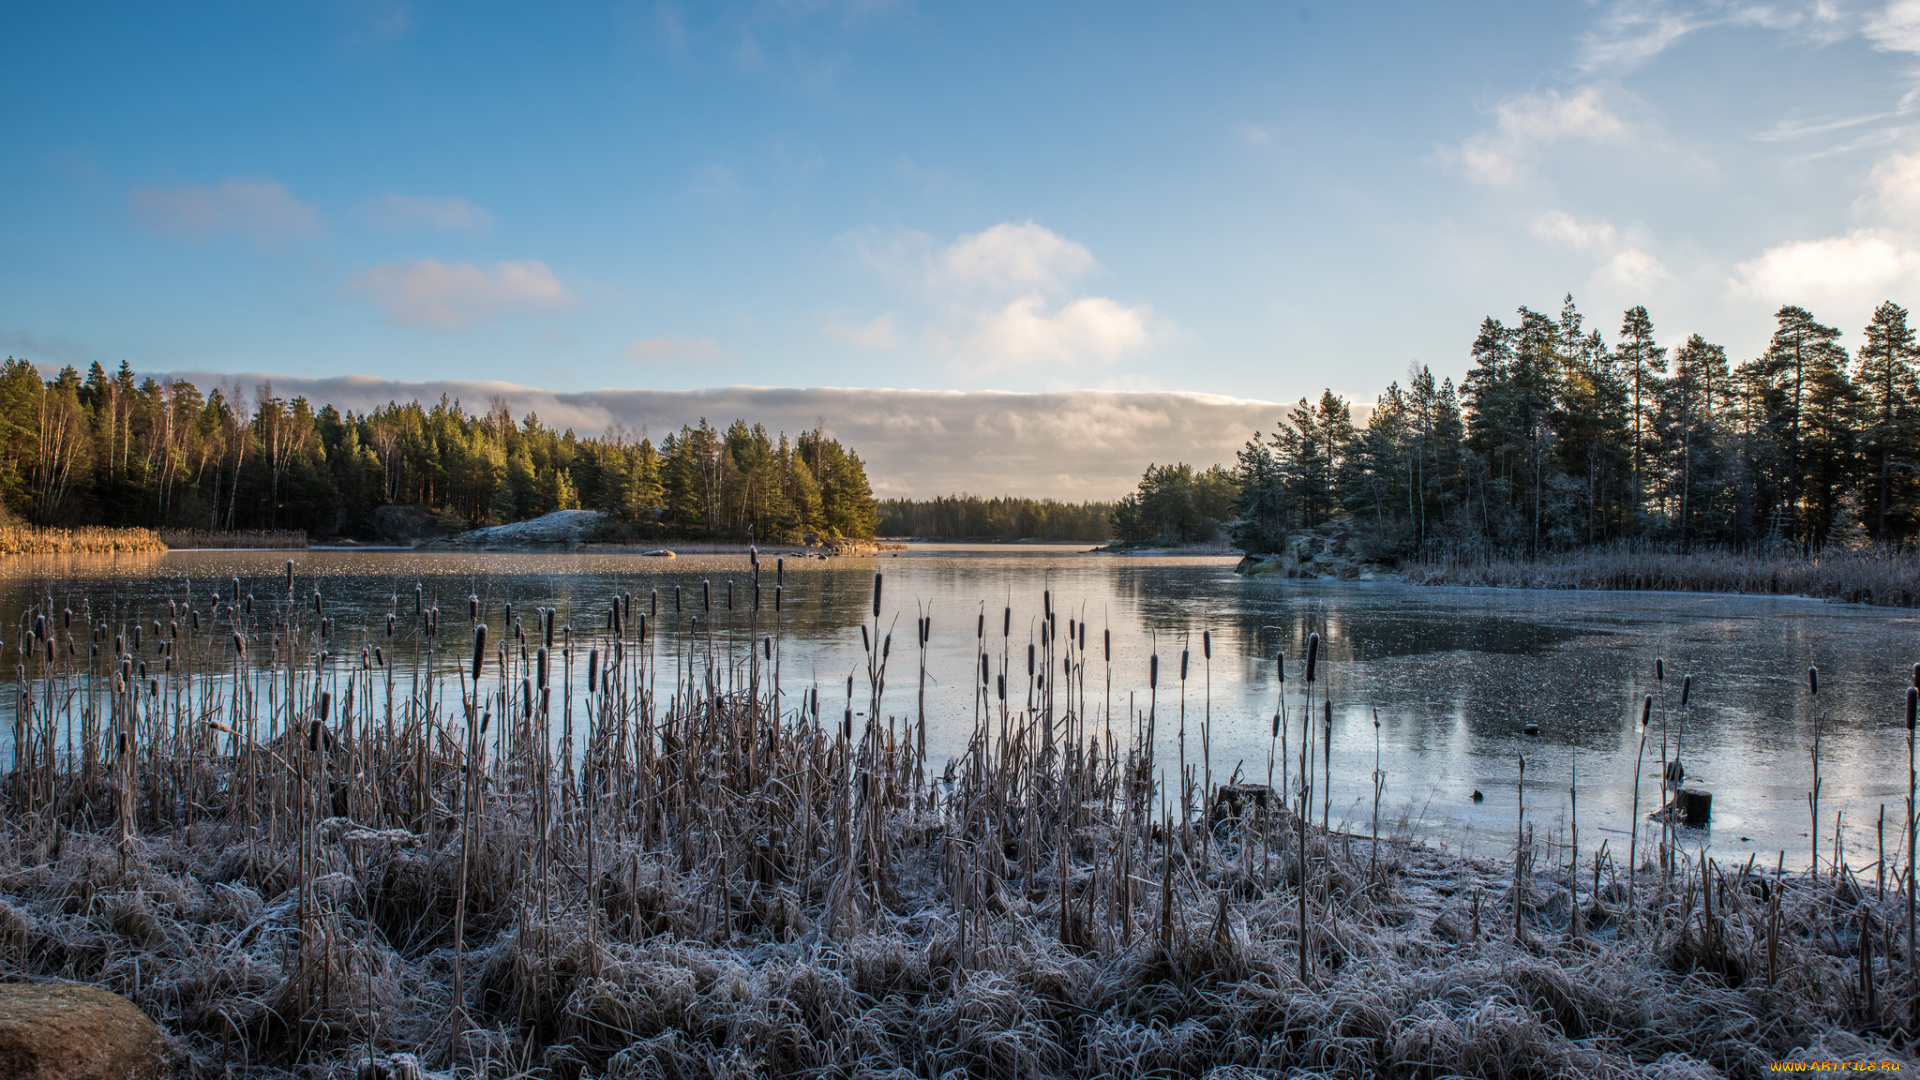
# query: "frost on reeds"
1889 577
302 847
18 539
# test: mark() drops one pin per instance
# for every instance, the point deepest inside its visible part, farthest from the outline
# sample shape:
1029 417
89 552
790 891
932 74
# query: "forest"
116 450
1557 440
971 517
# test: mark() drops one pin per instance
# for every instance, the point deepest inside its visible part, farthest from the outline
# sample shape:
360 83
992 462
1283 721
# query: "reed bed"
620 843
1885 577
237 540
17 539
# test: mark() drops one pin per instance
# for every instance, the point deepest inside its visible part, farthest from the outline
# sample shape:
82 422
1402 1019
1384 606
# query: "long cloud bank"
1079 444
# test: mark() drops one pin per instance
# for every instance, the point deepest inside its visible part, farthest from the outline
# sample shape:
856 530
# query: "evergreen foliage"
1554 441
115 450
971 517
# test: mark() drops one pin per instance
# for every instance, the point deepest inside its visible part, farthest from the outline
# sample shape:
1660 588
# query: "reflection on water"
1453 675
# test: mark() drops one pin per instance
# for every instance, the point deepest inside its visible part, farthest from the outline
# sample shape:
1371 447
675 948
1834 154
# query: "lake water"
1453 675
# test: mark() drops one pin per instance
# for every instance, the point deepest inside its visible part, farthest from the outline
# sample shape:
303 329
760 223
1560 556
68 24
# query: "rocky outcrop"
71 1031
403 523
1326 551
562 528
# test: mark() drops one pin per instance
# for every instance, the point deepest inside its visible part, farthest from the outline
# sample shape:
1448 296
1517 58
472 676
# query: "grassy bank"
635 847
16 539
1866 577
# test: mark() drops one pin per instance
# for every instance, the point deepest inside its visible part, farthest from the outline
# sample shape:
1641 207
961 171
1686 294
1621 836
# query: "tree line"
1557 439
116 450
970 517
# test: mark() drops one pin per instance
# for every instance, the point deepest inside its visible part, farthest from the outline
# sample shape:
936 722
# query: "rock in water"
71 1031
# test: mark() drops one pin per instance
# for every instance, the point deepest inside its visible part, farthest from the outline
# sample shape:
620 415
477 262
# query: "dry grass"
16 539
1884 577
243 539
703 872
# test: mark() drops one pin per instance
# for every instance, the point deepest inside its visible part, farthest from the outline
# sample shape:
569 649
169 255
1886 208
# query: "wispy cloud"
878 334
1025 331
1560 227
1527 124
448 213
435 295
259 208
676 350
1629 33
1076 445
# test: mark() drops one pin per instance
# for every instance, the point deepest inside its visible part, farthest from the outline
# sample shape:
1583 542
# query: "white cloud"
1009 256
676 350
1631 32
1893 189
452 296
1092 327
447 214
1635 269
1862 265
1526 124
1086 444
1560 227
261 209
1896 28
878 334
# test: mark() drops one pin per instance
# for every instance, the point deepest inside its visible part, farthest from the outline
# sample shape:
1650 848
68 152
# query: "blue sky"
1245 200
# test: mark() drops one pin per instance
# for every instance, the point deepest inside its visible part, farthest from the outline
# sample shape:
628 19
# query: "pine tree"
1890 418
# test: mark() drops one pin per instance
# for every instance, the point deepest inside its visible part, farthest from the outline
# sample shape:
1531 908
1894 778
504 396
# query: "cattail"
1916 675
1006 623
706 596
389 624
1153 672
729 594
756 594
1183 665
1313 655
779 571
1646 709
926 629
479 653
1686 689
886 647
1280 667
1083 637
319 606
1659 669
326 704
239 645
1029 659
1813 680
249 603
626 607
1106 648
196 618
67 615
766 647
980 628
986 673
593 666
317 734
549 615
136 635
653 603
379 657
1206 644
236 590
1002 680
1913 704
526 695
540 667
289 577
643 627
776 597
876 594
866 644
473 607
418 598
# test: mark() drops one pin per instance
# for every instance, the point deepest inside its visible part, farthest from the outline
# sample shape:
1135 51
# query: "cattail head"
540 667
67 615
1659 669
866 642
239 645
766 647
986 671
389 624
319 606
379 656
643 626
886 647
1646 709
1083 637
1313 655
195 613
618 626
318 737
980 630
1913 707
249 603
326 704
926 622
526 695
1183 665
1326 711
1006 622
289 575
593 668
1029 659
1153 671
1813 680
776 598
706 596
419 597
1206 644
779 570
1002 680
1686 689
876 594
479 651
473 607
756 594
549 614
729 594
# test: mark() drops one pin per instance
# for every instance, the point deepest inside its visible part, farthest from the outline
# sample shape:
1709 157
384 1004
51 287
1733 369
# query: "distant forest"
1557 440
970 517
117 450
